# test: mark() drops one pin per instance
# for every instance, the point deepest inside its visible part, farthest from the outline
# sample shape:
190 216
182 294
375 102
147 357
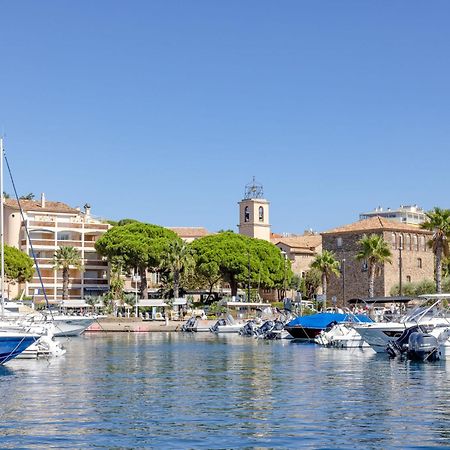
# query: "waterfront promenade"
131 324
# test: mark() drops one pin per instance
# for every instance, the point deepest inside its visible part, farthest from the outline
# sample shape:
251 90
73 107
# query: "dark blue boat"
308 327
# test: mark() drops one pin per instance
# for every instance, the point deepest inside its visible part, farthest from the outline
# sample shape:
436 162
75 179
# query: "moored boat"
308 327
12 344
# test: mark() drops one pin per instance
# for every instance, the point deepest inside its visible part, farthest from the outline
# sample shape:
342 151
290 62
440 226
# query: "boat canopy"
380 300
323 320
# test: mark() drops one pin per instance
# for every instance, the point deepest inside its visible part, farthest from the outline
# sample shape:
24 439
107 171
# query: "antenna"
253 190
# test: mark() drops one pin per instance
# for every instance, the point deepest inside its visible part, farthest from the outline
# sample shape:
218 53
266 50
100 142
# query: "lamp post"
136 278
284 272
400 264
249 278
343 281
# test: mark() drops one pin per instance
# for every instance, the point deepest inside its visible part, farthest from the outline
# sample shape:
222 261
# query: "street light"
249 278
136 279
343 281
400 264
284 273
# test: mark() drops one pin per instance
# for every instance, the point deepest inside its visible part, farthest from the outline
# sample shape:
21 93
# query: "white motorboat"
379 334
341 335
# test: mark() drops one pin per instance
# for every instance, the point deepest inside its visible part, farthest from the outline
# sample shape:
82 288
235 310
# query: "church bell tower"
254 212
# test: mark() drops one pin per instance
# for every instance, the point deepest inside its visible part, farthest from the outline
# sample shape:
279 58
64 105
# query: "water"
169 390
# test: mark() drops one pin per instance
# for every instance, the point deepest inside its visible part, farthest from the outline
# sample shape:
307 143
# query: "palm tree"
178 259
327 265
438 221
375 250
64 259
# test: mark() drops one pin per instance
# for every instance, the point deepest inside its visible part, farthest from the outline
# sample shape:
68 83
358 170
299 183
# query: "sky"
163 110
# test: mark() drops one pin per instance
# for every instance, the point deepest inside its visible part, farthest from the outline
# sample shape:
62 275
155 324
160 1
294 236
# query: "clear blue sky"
164 110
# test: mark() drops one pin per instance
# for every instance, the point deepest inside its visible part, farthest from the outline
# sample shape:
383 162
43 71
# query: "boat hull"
68 326
13 344
303 333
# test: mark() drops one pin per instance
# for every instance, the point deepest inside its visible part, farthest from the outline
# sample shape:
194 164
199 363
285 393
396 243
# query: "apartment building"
51 225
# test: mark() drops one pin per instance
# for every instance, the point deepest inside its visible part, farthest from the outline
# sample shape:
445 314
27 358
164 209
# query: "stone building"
300 250
407 240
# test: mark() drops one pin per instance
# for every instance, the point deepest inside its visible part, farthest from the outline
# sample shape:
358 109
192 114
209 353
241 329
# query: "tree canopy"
228 255
139 245
375 250
18 265
438 221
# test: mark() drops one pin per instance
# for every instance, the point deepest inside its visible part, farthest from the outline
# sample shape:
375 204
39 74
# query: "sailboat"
12 343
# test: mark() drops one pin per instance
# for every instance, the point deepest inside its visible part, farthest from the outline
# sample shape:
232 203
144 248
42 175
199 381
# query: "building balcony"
95 281
96 226
95 263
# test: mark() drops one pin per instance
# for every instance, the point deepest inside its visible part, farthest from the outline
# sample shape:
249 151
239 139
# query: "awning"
74 304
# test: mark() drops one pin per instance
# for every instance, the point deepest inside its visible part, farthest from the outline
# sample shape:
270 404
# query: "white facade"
51 225
406 214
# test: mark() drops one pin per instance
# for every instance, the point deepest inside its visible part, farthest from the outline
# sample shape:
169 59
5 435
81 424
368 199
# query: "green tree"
116 281
228 256
29 196
375 250
438 221
64 259
327 265
312 282
177 260
140 245
18 265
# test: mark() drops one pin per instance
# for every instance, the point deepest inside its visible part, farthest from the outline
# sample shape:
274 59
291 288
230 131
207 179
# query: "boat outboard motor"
189 325
219 323
399 347
423 347
248 329
275 332
264 328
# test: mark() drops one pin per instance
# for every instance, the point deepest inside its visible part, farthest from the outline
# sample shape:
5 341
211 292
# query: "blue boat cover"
323 320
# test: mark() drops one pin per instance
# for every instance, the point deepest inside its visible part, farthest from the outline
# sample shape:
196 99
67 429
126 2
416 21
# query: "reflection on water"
203 391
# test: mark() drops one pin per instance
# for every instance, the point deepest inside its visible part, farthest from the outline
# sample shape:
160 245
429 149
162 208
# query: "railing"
96 226
95 262
68 243
41 223
91 281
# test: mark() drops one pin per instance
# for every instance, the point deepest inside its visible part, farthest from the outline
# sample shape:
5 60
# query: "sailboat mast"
2 236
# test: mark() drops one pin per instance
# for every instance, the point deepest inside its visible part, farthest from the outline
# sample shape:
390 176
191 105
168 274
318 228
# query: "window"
408 242
63 236
408 278
246 214
419 263
261 214
415 243
339 242
394 240
422 243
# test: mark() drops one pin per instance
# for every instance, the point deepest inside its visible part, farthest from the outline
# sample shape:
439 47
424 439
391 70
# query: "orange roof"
35 205
308 241
188 232
377 223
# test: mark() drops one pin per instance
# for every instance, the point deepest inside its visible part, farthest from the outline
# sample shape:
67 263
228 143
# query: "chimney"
87 210
43 200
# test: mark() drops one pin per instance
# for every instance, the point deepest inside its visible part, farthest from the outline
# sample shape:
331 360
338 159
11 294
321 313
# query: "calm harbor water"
172 390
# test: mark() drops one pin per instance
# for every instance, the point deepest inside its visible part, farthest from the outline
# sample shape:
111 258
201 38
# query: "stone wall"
417 263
